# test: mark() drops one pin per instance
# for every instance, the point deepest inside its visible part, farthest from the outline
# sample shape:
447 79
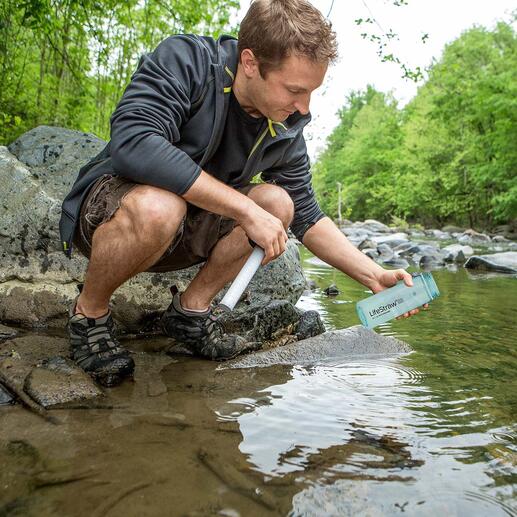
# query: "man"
198 121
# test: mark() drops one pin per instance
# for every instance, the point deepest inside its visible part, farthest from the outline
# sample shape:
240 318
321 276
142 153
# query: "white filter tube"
242 280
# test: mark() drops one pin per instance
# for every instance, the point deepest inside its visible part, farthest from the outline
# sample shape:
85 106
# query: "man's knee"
275 200
153 210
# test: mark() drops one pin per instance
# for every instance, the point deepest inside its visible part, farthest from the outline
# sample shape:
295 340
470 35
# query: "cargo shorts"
197 235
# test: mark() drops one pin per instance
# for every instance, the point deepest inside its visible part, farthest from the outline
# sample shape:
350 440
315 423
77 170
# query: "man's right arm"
260 226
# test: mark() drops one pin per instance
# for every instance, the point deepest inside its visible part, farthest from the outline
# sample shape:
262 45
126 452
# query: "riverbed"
426 433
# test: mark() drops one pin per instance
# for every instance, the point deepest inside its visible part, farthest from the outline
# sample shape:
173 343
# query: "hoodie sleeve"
147 121
293 174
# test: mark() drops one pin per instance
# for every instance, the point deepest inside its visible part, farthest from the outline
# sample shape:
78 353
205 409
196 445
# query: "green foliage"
449 155
67 62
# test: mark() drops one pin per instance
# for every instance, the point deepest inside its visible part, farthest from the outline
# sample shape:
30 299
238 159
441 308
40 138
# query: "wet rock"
393 240
457 253
397 262
350 343
431 261
332 290
7 332
59 381
309 325
366 244
498 262
265 324
385 252
5 396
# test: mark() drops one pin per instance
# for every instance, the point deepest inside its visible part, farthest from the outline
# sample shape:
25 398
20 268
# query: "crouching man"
199 119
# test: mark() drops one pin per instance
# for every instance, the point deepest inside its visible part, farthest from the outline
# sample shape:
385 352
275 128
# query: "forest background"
448 156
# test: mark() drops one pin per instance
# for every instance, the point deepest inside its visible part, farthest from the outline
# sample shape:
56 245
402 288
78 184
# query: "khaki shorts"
198 233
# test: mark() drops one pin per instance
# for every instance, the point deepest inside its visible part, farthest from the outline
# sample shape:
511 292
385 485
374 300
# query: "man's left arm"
319 233
326 241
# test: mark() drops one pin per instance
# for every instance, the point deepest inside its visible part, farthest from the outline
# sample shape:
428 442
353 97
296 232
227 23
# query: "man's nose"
302 105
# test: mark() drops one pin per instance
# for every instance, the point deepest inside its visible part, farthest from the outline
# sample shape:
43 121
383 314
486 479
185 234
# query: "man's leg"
230 253
129 243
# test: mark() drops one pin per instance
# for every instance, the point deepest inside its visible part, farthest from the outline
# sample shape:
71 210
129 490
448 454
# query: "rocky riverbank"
449 247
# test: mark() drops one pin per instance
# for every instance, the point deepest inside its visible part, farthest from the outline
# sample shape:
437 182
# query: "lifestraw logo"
385 308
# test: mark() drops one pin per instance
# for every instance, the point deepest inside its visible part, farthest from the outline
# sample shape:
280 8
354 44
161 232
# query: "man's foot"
94 348
200 332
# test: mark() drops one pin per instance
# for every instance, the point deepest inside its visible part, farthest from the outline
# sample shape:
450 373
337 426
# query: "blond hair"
276 29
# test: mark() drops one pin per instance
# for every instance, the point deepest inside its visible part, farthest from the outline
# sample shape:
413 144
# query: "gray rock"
375 226
431 261
438 234
385 251
397 262
345 344
366 244
393 240
309 325
59 381
332 290
499 262
372 253
457 253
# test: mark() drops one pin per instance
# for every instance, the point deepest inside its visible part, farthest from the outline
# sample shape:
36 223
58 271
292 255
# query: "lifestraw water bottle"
397 300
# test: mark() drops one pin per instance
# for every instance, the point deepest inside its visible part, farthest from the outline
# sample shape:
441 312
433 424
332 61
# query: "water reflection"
430 432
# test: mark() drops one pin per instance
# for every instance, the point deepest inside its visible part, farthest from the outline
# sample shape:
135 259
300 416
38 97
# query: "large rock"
498 262
343 344
38 283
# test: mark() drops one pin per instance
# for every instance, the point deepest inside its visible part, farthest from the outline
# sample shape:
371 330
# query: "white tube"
242 280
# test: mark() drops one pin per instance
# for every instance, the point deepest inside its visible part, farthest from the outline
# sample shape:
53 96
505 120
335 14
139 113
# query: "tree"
67 62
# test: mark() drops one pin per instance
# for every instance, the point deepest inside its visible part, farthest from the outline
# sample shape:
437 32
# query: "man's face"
285 90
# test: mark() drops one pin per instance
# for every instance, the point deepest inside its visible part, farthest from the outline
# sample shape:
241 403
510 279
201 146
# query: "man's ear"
249 63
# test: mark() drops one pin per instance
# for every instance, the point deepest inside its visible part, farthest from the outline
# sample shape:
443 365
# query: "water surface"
431 432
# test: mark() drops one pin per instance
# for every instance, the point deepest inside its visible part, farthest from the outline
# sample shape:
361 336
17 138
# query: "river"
433 432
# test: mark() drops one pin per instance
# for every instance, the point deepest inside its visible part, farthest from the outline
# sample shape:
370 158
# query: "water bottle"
397 300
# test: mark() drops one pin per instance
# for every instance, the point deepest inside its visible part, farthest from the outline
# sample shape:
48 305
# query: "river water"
433 432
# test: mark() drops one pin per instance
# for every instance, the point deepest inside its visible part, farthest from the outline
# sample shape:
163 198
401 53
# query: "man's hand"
261 227
327 242
387 278
265 230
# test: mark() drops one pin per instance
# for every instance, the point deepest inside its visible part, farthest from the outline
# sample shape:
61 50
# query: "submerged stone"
59 381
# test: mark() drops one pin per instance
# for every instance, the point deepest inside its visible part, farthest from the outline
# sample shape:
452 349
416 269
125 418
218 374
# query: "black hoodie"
170 121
